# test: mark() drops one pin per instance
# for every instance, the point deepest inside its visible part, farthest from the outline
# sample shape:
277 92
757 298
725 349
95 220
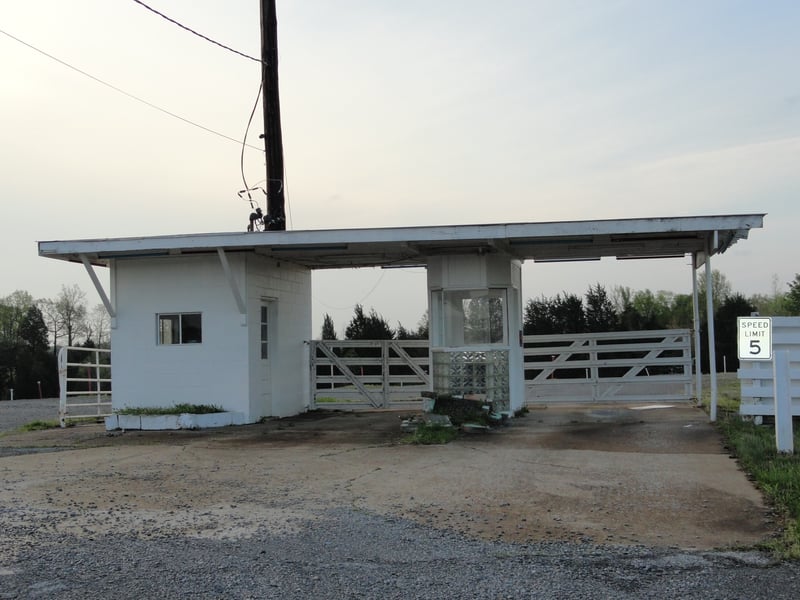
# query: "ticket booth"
476 328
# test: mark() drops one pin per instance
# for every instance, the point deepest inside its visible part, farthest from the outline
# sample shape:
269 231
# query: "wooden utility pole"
273 139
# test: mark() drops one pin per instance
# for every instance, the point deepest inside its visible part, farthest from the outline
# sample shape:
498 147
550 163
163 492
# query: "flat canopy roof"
411 246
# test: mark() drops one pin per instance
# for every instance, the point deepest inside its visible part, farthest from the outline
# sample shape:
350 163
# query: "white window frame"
179 329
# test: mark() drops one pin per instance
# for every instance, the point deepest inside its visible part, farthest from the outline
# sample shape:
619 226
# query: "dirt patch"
609 475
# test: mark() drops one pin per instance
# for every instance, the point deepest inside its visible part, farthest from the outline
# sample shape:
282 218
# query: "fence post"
62 387
312 374
385 371
784 432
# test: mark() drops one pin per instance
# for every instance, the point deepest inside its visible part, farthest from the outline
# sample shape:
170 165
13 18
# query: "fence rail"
634 366
368 373
627 366
756 376
84 377
758 386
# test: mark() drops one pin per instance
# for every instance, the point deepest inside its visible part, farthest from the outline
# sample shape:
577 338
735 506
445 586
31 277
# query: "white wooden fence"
633 366
84 379
756 376
369 373
628 366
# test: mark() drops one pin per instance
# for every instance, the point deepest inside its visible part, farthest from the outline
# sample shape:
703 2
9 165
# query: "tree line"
621 309
32 331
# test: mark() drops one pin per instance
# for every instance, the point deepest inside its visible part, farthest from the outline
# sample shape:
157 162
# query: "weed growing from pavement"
193 409
40 425
433 433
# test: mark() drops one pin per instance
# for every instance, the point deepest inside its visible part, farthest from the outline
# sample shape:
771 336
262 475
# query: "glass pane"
168 331
264 332
191 329
474 317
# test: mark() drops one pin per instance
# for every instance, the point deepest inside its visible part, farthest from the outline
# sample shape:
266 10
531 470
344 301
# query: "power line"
200 35
128 94
244 139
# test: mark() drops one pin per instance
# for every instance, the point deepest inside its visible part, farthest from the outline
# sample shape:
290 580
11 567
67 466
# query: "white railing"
627 366
630 366
756 376
84 378
368 373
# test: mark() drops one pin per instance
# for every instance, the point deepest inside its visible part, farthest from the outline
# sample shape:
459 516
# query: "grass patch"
40 425
776 475
192 409
433 433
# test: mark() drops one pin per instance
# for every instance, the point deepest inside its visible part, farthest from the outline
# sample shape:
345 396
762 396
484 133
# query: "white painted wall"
288 287
146 374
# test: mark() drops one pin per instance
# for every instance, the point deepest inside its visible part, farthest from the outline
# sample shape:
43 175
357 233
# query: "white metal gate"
84 379
628 366
368 373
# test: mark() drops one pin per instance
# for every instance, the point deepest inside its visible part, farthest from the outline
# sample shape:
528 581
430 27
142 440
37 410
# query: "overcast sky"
401 114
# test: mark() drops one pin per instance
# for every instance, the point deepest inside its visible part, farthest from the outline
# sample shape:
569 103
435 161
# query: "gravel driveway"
16 413
334 507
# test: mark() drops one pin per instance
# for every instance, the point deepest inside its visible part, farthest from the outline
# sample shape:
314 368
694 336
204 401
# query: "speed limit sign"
755 338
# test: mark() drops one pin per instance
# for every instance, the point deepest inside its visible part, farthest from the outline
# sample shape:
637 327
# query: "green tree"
33 330
368 327
562 314
328 330
725 330
600 313
423 327
420 333
681 312
793 296
13 309
537 318
720 290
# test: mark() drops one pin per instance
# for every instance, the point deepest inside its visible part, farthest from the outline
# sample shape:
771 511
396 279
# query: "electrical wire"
200 35
128 94
244 139
286 198
361 301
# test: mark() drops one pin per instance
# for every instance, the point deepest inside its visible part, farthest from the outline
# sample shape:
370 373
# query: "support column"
712 353
698 371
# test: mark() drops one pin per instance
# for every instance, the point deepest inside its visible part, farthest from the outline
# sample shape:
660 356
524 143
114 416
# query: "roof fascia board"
515 232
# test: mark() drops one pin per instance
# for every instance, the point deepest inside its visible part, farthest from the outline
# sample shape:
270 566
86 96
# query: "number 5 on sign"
755 338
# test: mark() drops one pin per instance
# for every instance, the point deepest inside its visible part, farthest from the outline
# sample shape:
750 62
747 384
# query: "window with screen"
180 328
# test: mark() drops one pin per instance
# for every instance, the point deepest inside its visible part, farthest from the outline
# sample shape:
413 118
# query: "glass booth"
476 329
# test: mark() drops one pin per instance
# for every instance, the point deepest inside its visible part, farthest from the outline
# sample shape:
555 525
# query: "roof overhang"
413 246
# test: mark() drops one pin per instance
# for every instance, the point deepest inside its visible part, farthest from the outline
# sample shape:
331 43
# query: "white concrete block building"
180 335
224 318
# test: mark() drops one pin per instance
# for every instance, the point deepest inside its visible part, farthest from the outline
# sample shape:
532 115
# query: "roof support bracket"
237 295
98 286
